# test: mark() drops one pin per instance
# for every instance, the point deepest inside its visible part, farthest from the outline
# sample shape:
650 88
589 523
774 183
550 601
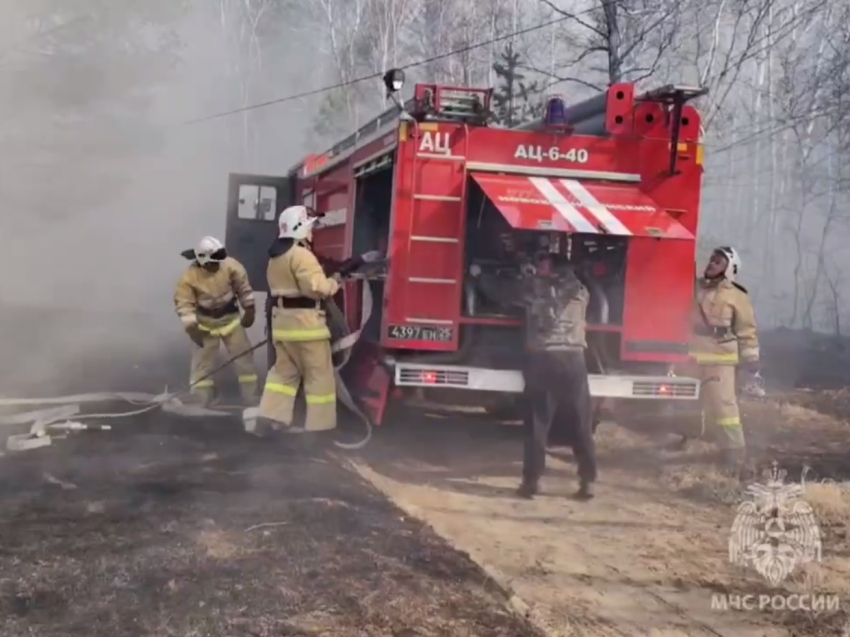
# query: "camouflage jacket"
555 307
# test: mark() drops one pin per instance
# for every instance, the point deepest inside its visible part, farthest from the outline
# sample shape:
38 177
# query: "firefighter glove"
371 256
248 317
196 335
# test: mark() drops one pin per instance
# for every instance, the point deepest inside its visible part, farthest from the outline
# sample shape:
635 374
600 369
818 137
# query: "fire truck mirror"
257 202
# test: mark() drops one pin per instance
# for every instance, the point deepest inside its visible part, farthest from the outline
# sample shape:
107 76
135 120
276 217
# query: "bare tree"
442 26
248 29
345 23
79 87
834 278
618 40
388 20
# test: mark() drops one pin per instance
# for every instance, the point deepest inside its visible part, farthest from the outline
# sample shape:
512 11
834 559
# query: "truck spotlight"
556 115
394 80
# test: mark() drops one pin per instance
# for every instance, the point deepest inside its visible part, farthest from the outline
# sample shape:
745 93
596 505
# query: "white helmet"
733 261
294 223
209 250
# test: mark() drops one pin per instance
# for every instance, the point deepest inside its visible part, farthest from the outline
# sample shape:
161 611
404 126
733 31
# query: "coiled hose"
342 338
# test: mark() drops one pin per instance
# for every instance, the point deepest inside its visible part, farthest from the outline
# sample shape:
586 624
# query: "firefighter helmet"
733 261
209 250
294 223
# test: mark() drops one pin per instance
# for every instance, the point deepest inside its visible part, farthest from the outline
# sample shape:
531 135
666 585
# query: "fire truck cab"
613 183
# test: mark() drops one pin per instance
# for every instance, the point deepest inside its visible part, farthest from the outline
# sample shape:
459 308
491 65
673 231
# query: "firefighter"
554 368
724 337
207 300
299 331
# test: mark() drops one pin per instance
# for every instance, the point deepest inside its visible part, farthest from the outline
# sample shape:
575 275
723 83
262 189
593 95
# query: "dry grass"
217 544
653 547
830 501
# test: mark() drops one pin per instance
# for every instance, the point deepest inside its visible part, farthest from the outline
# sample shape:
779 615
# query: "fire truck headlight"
475 269
394 80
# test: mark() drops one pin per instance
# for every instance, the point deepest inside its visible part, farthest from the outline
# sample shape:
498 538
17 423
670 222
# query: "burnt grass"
170 527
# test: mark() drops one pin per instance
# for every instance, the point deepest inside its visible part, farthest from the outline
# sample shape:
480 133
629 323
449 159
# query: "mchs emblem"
775 530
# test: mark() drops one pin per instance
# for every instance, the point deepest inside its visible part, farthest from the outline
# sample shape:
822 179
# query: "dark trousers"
557 387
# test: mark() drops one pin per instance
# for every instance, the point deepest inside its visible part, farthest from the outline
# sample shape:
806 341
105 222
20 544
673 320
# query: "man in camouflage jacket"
555 372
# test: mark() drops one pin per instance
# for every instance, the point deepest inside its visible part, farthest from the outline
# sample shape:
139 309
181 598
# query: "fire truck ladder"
450 207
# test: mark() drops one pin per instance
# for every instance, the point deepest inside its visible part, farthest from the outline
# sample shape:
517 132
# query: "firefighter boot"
258 425
681 444
585 491
732 461
527 490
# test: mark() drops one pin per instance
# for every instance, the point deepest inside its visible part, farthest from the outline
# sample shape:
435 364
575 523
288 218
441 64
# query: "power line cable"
373 76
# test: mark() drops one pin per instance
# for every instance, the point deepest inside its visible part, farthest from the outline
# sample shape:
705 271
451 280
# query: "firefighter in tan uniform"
724 337
207 300
297 288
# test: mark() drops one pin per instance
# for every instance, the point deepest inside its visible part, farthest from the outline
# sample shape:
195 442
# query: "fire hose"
47 420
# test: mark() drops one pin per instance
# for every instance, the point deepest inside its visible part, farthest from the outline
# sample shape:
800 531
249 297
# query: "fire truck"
612 183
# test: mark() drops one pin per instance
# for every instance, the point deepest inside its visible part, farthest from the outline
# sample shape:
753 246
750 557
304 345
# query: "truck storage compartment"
497 250
608 231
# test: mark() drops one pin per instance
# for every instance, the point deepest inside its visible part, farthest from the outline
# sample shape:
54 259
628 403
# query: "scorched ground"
209 532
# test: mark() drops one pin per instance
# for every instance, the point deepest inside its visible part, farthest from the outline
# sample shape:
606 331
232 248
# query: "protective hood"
280 247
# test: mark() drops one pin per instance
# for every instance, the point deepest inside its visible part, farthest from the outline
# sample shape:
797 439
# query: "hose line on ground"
342 338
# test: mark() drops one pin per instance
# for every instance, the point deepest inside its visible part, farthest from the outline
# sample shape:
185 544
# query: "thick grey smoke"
103 185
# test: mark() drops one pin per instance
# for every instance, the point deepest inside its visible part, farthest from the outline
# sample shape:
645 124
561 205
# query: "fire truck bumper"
510 381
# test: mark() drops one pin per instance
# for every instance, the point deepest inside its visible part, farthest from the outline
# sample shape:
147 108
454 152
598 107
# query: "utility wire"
373 76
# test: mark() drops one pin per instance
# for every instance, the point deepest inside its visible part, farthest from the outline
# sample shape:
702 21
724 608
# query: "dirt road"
211 533
645 557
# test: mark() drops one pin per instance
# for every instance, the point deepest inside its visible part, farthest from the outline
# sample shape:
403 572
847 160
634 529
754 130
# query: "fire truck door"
253 205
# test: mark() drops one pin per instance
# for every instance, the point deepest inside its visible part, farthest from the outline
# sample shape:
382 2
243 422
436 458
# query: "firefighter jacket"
297 285
210 300
723 324
555 307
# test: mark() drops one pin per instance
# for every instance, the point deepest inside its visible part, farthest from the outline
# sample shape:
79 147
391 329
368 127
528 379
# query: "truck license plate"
441 334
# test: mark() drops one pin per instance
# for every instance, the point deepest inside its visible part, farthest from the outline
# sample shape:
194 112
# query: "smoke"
93 226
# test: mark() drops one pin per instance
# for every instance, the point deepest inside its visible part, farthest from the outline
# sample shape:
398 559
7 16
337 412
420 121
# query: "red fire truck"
612 182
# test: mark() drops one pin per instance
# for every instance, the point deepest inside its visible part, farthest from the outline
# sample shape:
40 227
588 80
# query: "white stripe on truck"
567 210
595 208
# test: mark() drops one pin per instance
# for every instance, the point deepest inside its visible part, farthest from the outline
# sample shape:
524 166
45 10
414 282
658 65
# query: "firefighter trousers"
204 361
557 386
720 413
309 362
